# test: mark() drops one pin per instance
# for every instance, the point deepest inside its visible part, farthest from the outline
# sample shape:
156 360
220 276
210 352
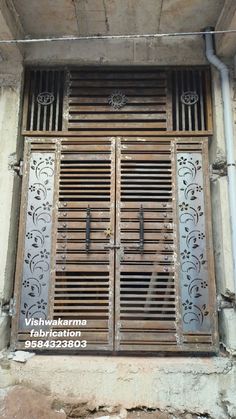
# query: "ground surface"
20 402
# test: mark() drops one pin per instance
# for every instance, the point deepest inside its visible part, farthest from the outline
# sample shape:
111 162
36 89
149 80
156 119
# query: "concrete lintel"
226 43
169 51
10 28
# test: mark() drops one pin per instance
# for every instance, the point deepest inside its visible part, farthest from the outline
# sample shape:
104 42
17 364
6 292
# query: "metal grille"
130 248
118 102
191 105
43 105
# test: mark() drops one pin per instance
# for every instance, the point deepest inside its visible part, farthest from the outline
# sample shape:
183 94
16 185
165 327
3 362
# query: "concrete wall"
220 218
202 386
119 52
10 94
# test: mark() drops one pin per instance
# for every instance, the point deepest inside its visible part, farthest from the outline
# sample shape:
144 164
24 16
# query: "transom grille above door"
105 101
116 232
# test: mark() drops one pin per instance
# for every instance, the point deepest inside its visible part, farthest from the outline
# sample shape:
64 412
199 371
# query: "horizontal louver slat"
142 101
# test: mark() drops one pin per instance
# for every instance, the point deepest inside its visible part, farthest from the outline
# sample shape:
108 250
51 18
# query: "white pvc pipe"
229 139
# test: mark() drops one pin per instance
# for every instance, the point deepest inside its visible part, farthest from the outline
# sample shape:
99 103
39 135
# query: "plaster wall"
199 385
220 216
10 93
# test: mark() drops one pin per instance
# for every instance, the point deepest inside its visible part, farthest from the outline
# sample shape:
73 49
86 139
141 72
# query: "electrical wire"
100 37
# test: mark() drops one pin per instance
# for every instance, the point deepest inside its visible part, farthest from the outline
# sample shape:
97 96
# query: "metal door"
145 280
125 243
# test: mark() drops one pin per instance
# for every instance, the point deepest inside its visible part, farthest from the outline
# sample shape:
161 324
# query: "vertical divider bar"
117 324
195 111
66 95
32 104
112 257
57 100
177 118
55 214
188 77
39 106
203 122
50 122
182 74
45 108
169 102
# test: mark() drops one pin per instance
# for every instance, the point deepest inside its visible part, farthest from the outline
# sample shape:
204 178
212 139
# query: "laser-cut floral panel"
192 243
37 250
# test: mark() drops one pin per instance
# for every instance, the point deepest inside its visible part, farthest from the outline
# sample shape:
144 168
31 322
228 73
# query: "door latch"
111 246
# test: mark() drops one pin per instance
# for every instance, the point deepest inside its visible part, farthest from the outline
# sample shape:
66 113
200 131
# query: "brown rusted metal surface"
145 275
191 100
125 102
84 275
115 255
116 178
43 100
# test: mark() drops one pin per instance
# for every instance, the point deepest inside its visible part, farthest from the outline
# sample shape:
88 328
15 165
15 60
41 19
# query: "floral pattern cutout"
192 243
37 246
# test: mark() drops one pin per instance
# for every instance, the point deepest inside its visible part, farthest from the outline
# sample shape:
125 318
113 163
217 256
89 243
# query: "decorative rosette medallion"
117 100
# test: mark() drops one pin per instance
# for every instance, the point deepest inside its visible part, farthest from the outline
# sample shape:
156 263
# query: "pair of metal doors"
105 235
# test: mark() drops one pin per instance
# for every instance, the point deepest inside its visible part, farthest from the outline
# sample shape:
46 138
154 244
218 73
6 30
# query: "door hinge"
226 300
7 308
217 170
16 168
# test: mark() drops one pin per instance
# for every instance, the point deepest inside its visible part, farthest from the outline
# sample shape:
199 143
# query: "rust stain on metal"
127 285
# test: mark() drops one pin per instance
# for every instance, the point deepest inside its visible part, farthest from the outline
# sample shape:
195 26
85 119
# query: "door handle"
141 229
139 246
88 229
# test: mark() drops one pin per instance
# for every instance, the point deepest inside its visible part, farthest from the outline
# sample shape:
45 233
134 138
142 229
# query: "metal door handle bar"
88 229
141 229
